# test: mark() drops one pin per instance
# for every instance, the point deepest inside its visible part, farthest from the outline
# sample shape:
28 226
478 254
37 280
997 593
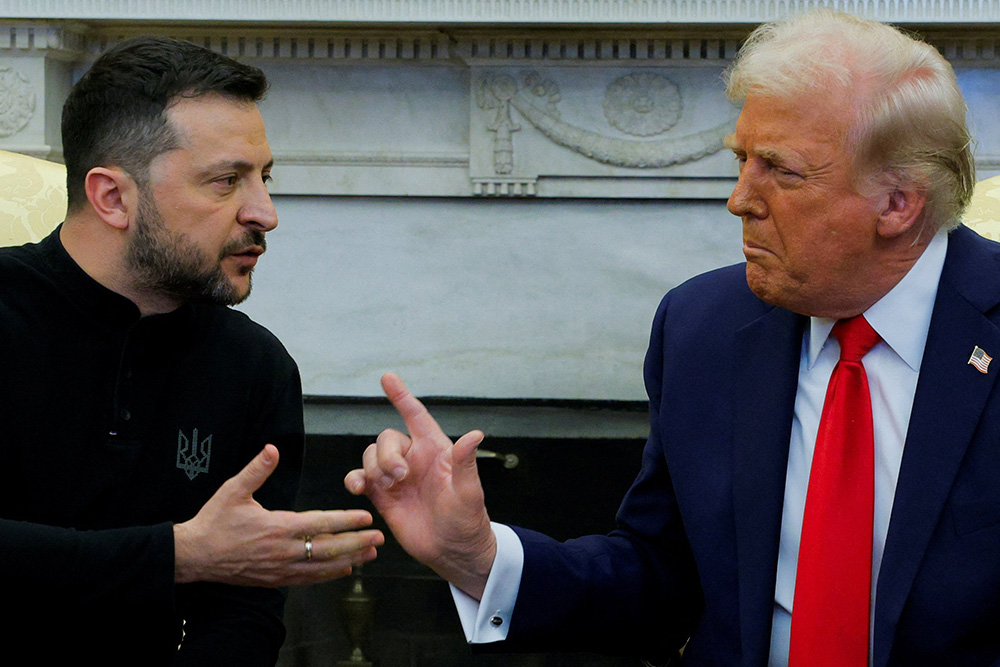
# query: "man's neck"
100 252
878 276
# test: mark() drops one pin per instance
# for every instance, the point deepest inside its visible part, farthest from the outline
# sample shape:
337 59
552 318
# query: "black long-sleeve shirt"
112 428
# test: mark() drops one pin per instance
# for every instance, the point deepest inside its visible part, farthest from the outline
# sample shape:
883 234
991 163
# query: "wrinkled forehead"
825 117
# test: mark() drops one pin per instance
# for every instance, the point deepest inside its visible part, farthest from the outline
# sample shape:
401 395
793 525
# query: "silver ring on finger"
309 547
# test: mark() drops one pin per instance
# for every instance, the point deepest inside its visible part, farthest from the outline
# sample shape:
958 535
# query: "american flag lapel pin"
980 359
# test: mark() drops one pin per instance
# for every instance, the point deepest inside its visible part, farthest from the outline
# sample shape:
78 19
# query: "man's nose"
745 199
258 210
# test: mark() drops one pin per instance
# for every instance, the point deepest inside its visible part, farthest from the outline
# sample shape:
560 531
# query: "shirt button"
126 415
496 621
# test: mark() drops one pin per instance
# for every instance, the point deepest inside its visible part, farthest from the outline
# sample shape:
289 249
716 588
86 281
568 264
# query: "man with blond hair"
819 486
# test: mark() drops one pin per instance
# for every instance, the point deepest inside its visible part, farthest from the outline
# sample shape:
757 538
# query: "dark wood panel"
563 487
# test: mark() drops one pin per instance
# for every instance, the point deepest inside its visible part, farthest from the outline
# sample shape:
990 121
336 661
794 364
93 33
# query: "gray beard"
166 263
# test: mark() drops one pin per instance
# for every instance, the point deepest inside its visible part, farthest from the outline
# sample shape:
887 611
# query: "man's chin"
759 283
235 296
226 292
235 287
240 293
779 289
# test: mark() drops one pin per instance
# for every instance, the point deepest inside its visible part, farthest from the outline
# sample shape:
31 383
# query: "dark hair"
116 113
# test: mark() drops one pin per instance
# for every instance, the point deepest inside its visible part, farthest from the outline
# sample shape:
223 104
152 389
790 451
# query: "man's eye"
228 181
783 172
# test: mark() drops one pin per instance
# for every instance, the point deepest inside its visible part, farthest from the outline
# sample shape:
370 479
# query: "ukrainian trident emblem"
192 454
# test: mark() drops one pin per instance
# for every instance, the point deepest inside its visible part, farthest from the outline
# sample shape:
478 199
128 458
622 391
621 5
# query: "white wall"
485 298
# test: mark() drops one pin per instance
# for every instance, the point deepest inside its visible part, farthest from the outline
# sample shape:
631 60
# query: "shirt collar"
99 302
902 317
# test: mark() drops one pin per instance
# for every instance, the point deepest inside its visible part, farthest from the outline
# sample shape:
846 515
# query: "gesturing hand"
429 493
234 540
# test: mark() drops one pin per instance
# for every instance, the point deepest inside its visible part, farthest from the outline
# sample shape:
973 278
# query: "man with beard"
143 515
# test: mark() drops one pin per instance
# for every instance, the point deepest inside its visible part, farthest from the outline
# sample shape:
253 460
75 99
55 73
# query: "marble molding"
523 12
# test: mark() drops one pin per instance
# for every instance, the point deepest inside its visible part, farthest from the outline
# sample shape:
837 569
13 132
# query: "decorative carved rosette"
642 105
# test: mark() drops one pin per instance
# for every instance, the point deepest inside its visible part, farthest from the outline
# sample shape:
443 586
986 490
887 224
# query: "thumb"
257 471
463 457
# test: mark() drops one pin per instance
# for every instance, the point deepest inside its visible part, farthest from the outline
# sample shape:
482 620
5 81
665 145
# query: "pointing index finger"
418 420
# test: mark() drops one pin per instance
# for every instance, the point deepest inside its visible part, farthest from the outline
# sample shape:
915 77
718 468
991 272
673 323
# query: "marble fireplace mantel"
540 171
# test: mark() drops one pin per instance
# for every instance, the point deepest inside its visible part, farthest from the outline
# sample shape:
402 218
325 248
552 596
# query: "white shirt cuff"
485 621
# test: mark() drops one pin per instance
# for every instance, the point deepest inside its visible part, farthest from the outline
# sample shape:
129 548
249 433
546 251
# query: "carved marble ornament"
635 96
17 102
495 94
642 104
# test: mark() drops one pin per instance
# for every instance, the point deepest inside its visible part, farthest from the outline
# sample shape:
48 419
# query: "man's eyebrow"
240 166
773 155
766 152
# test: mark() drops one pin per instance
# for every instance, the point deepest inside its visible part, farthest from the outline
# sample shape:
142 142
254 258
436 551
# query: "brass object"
509 460
357 611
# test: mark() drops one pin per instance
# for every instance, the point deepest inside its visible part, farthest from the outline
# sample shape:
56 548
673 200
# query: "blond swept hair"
909 128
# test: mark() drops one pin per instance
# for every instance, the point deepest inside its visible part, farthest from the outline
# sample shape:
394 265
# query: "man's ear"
113 194
901 212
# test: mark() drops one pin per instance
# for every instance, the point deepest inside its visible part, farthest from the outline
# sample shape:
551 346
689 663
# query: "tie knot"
856 337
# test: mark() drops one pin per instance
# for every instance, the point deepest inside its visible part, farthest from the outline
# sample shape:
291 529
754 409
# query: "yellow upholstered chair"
983 213
32 198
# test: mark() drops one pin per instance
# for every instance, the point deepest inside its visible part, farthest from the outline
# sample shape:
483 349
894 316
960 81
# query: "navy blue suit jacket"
695 552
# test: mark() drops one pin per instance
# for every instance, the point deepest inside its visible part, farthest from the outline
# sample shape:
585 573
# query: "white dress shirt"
902 318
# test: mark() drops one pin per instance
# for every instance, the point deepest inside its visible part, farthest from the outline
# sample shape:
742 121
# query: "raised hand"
234 540
428 491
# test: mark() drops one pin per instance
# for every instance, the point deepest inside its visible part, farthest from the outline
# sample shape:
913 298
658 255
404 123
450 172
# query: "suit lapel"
767 363
949 400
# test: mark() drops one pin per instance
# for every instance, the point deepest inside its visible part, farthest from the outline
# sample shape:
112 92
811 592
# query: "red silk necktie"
833 581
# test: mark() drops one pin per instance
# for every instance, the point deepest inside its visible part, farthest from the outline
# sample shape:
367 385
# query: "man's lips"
249 255
752 248
254 250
